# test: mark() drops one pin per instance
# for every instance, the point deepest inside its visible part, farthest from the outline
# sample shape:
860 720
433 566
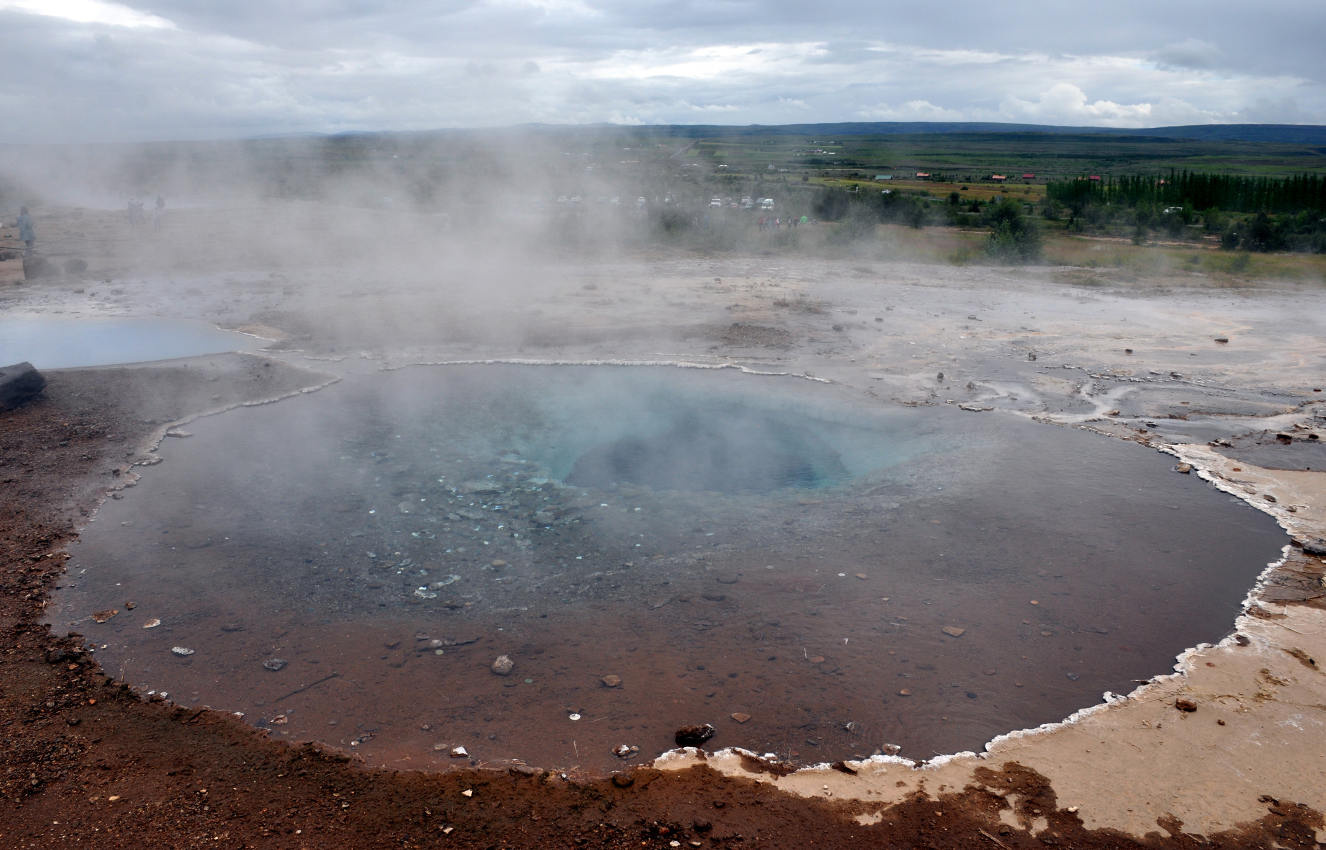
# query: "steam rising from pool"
845 574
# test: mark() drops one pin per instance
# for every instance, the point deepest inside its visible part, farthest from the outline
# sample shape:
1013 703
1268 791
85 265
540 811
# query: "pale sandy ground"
1137 360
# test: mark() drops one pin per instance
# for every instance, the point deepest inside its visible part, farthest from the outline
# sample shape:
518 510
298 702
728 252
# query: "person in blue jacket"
25 232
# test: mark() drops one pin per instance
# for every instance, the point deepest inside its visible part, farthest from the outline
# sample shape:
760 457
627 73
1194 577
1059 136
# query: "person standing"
25 232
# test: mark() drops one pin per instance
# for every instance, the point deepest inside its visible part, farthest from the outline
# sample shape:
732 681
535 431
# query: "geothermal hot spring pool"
818 575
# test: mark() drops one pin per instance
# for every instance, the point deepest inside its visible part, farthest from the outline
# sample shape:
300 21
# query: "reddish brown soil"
85 762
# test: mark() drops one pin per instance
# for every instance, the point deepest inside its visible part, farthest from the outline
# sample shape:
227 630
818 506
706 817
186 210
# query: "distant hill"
1311 134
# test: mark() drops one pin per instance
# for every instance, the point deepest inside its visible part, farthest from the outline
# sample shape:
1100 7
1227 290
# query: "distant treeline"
1197 191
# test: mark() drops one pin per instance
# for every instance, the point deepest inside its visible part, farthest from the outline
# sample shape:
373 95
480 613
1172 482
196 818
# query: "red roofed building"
999 177
1029 176
923 174
1095 177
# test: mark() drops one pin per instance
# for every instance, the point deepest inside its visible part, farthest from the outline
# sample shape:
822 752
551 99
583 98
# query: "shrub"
1014 238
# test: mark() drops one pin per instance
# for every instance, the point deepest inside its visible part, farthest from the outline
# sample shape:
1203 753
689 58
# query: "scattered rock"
953 631
623 751
611 681
1185 704
152 623
1222 339
468 792
1315 546
623 780
274 664
35 266
182 651
1185 468
694 736
904 692
459 753
103 616
1268 497
740 716
19 384
503 665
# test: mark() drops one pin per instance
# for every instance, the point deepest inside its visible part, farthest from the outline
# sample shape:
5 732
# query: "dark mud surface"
1271 450
344 567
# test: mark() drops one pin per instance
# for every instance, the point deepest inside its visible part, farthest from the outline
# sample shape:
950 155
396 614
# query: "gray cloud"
187 69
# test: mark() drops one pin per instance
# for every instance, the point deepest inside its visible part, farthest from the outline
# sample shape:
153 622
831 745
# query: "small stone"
152 623
1185 705
740 716
1268 497
1185 468
503 665
468 792
1222 339
129 606
182 651
498 563
623 780
274 664
816 659
623 751
611 681
905 692
459 753
103 616
694 736
953 631
862 576
575 715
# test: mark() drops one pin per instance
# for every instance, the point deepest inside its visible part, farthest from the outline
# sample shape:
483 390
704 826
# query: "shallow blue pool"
53 342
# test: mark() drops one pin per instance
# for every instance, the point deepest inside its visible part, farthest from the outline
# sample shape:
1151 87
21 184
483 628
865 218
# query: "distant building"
883 176
1095 177
1029 176
922 175
999 178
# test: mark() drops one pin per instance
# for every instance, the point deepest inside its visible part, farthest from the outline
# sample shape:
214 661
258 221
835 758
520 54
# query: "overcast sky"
92 70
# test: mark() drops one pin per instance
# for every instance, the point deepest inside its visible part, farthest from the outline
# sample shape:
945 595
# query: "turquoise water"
50 342
848 573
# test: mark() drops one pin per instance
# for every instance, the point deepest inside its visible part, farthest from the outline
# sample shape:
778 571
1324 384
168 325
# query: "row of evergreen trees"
1197 190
